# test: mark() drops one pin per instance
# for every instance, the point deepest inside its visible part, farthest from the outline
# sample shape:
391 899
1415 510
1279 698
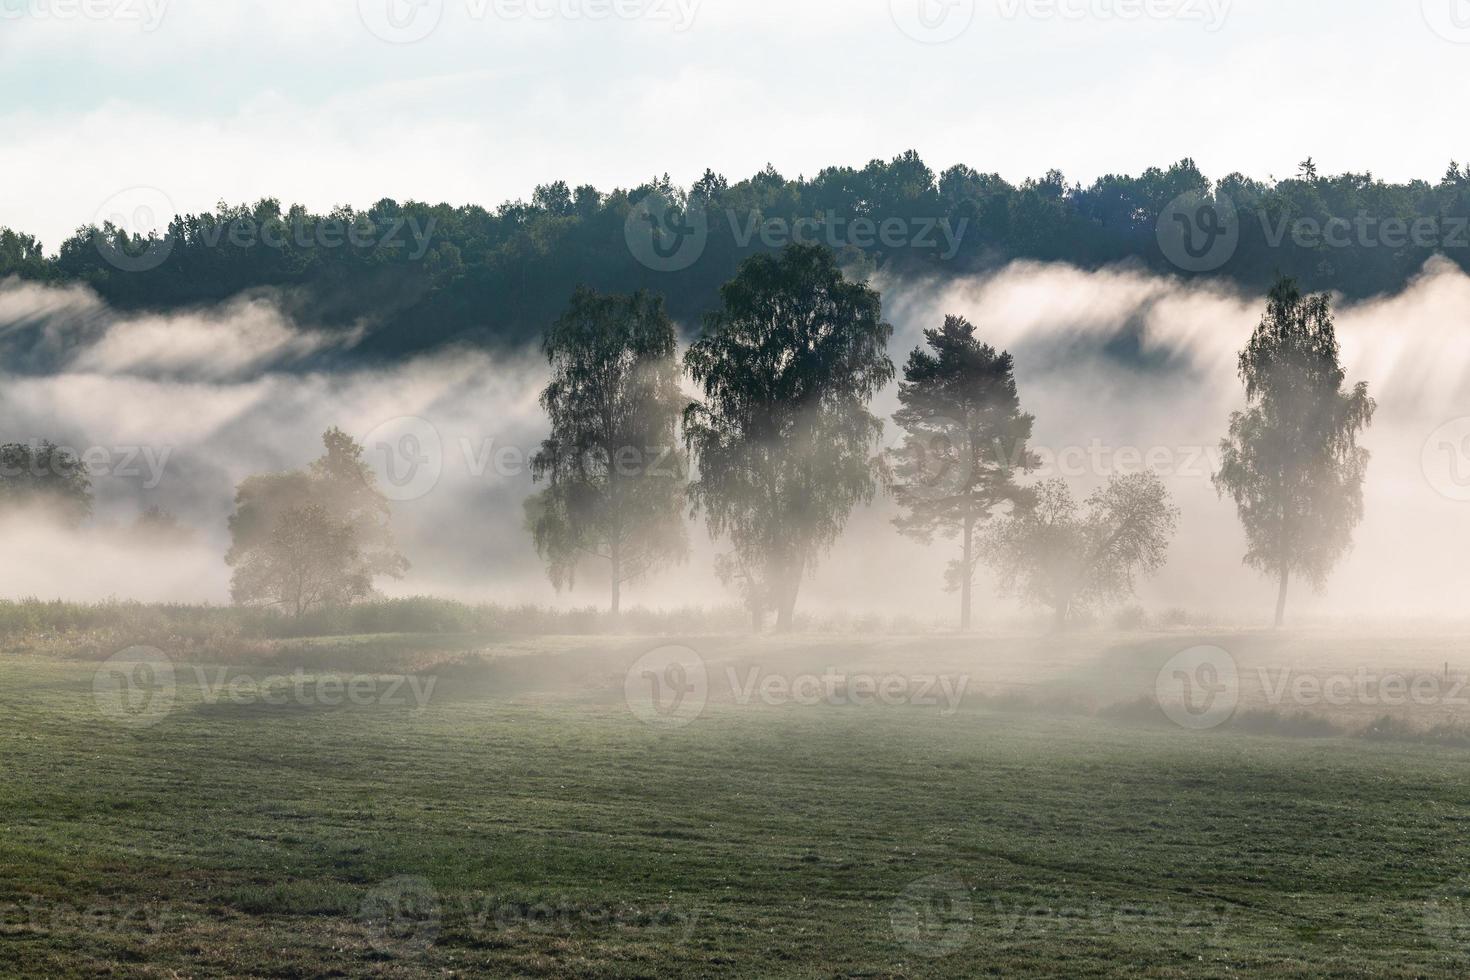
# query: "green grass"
539 829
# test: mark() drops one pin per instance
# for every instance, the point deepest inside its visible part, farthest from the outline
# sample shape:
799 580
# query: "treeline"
424 275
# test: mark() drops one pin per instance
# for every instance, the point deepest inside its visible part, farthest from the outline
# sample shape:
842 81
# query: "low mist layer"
1123 369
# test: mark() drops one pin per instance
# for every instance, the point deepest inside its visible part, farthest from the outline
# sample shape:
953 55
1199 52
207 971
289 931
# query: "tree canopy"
1291 461
46 476
965 440
613 466
1055 554
784 443
305 539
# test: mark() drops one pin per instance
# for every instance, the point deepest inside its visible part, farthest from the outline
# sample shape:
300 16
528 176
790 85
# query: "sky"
326 102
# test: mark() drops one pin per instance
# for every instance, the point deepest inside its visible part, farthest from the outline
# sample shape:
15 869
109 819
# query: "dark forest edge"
422 276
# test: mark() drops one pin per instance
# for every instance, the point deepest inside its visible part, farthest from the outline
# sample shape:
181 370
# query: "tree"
614 469
784 441
1291 461
1050 554
307 561
315 537
965 437
346 487
47 476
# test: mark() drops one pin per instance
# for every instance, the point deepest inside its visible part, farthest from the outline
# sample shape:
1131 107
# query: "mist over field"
1122 369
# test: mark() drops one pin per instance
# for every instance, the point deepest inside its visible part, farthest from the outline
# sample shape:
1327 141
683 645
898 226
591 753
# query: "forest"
415 276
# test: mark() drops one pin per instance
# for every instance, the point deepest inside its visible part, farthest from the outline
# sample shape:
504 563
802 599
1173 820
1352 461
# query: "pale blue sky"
209 99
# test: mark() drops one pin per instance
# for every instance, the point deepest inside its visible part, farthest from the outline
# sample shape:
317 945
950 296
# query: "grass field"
516 818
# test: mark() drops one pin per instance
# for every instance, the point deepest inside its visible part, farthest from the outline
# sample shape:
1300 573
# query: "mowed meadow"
868 803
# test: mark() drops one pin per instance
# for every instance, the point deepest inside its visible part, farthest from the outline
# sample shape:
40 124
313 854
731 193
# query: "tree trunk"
788 585
1063 605
965 583
1281 598
617 578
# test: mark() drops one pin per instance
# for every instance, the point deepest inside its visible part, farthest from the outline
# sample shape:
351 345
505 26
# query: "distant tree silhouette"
784 441
965 438
615 472
306 561
309 538
45 475
1056 555
1291 461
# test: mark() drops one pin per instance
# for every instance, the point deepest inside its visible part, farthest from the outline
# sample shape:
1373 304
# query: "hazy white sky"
476 101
